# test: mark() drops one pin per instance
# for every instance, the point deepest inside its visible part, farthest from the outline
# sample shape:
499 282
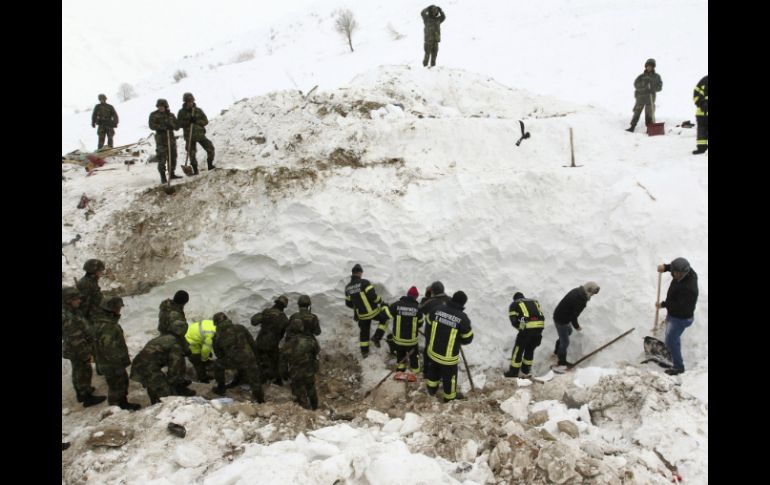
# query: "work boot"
511 373
278 381
376 342
630 129
219 390
175 176
699 150
364 352
65 445
91 400
195 170
258 396
674 371
130 406
210 165
183 391
163 178
313 402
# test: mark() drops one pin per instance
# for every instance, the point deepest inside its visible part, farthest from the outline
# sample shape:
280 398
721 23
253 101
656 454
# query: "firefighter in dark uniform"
406 320
526 317
701 99
436 298
360 295
450 328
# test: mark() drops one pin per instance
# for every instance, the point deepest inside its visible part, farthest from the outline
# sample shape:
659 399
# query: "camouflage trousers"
431 52
81 377
269 360
162 151
303 387
102 131
117 384
249 373
157 386
206 144
642 104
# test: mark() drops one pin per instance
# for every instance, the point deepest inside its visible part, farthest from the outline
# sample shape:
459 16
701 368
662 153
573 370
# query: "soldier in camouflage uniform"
106 117
172 310
164 123
646 85
111 352
88 286
303 302
235 349
192 116
164 351
77 346
299 356
432 17
274 323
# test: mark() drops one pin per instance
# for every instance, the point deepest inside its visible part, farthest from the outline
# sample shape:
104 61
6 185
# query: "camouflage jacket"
77 341
104 115
168 314
234 346
274 323
309 320
90 295
301 354
647 84
164 351
432 30
161 122
184 118
110 348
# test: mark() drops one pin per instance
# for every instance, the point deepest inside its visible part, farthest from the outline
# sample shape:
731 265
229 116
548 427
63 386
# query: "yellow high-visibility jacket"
200 336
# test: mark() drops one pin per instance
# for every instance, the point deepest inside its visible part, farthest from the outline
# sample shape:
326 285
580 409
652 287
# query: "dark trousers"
199 366
401 351
523 353
431 51
562 344
364 327
642 104
446 373
702 141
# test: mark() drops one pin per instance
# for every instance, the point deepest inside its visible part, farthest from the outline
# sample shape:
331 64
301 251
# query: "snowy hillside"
414 174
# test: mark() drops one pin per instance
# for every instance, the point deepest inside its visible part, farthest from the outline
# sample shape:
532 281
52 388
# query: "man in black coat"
680 303
567 312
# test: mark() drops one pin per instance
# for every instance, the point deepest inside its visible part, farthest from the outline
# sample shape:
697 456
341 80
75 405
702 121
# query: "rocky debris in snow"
538 418
568 427
112 436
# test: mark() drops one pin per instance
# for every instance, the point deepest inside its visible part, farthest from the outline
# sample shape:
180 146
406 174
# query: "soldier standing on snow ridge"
192 117
367 305
163 121
526 317
106 117
432 17
646 85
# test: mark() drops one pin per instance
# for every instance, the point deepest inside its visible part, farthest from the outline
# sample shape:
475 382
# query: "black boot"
210 165
511 372
313 402
64 446
175 176
130 406
163 178
699 150
278 381
219 390
183 391
195 170
91 400
630 129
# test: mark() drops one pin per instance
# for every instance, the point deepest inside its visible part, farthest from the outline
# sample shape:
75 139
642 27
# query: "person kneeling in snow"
526 317
168 351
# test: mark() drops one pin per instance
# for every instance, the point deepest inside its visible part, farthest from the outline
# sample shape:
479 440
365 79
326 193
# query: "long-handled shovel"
656 324
186 168
168 189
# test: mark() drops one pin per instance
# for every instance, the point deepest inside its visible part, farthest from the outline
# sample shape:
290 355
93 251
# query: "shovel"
524 135
187 169
168 189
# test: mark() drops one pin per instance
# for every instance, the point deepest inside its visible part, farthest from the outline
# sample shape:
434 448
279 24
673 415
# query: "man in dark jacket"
273 323
432 17
680 303
367 305
450 328
701 99
527 317
406 320
567 312
105 116
646 85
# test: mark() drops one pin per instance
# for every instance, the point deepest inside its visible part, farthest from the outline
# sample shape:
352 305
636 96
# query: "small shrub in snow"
244 56
394 34
345 24
179 75
126 92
